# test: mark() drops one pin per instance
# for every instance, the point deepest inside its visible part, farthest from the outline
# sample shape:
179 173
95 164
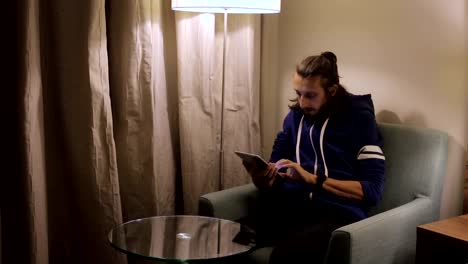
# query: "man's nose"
302 99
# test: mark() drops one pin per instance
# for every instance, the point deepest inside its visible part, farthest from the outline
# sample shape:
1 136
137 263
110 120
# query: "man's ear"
332 90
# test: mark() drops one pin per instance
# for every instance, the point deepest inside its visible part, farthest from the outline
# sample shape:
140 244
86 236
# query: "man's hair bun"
329 56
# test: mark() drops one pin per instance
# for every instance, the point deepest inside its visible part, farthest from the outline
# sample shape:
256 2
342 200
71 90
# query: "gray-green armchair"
415 168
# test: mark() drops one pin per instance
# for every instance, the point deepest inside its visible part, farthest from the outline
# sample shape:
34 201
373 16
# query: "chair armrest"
232 204
388 237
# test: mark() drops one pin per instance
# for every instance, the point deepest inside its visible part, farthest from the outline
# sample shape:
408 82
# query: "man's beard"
310 112
324 110
333 105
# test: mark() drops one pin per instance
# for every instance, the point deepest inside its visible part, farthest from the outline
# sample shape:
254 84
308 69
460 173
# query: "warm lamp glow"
229 6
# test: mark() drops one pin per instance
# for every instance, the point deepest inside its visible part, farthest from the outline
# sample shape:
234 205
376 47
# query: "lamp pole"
221 143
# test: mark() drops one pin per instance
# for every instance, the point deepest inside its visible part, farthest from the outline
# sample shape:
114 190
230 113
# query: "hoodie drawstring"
322 132
321 146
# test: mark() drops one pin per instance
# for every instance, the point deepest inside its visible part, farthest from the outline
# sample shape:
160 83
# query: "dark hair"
326 68
323 66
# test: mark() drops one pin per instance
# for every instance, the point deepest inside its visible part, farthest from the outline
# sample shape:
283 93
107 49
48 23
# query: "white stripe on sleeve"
370 156
371 148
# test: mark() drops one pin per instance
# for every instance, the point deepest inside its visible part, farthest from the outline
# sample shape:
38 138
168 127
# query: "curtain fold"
84 196
200 60
142 109
242 99
197 108
120 118
33 134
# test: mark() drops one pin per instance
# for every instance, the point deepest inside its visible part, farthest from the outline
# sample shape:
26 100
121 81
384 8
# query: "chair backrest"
416 160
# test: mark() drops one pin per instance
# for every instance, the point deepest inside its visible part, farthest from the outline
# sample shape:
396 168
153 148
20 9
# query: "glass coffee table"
180 239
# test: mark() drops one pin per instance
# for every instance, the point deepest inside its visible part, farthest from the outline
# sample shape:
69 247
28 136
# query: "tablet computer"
253 159
256 160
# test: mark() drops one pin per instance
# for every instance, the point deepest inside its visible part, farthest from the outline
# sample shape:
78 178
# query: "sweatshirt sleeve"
284 142
370 158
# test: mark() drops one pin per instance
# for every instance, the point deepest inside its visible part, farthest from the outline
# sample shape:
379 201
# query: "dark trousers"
299 229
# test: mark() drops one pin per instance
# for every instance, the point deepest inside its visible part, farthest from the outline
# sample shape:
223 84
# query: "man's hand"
297 172
263 179
347 189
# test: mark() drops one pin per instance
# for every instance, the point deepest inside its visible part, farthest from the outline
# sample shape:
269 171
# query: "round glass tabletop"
178 238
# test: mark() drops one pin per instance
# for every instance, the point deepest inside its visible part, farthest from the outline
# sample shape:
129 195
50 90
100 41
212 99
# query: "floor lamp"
225 7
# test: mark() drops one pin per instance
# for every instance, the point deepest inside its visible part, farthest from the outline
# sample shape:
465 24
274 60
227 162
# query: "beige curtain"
199 47
120 104
144 100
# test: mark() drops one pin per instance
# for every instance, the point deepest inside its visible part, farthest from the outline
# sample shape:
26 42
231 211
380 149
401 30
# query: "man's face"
311 95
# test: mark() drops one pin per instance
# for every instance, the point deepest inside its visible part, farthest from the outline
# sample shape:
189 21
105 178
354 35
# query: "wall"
410 55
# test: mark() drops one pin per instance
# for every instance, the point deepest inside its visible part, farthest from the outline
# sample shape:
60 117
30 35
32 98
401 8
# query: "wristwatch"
320 180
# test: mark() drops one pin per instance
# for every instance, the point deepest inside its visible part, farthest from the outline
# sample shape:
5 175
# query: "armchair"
415 168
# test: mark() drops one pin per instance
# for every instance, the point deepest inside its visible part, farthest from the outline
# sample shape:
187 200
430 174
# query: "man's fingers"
268 170
282 162
272 172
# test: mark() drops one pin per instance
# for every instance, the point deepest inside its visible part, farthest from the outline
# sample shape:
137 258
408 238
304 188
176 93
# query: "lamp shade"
229 6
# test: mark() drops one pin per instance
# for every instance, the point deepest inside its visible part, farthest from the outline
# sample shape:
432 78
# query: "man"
327 166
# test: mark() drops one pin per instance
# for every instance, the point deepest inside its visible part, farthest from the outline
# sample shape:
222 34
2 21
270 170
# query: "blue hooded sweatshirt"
343 145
